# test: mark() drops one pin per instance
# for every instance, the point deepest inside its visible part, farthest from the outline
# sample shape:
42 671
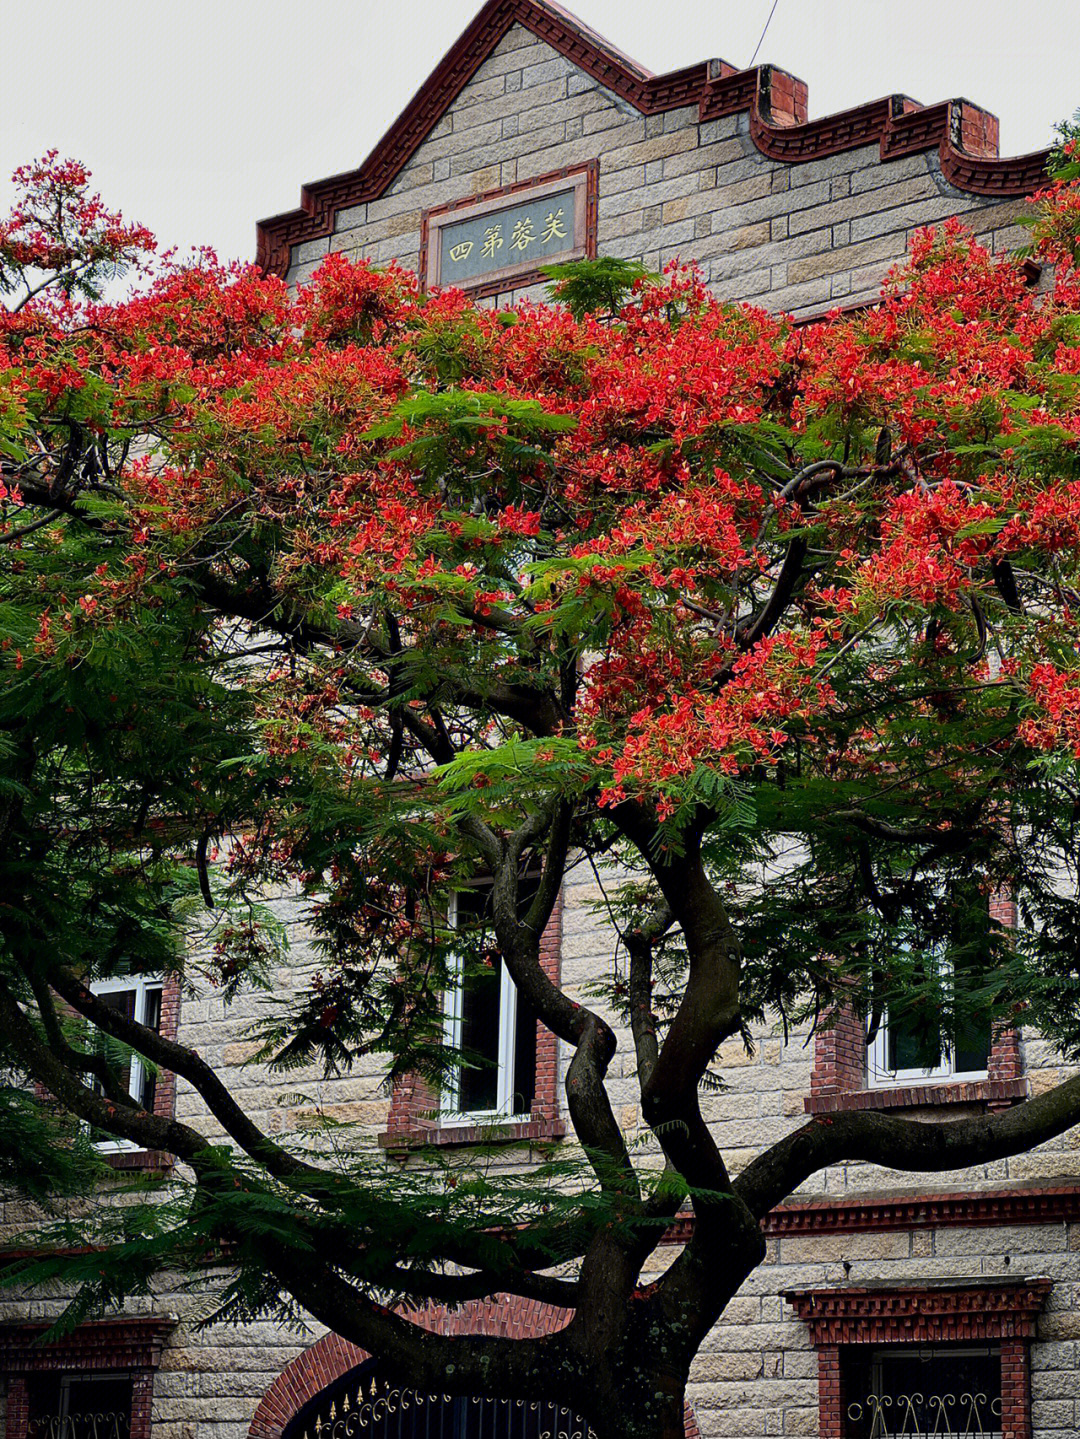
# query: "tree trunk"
657 1416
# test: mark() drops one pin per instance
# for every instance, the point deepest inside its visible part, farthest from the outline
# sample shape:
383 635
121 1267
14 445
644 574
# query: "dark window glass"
916 1041
972 1038
148 1082
123 1002
524 1058
479 1082
916 1390
80 1406
913 1045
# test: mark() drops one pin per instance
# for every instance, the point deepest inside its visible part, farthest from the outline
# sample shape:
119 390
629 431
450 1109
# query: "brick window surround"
1002 1312
164 1092
330 1357
838 1080
414 1106
130 1345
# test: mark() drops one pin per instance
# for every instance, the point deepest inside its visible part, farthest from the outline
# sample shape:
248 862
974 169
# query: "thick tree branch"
878 1138
640 941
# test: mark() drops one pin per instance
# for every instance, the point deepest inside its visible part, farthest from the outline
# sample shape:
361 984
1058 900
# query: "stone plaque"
508 234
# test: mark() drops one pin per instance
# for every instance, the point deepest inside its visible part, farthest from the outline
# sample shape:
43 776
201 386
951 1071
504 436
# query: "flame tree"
356 594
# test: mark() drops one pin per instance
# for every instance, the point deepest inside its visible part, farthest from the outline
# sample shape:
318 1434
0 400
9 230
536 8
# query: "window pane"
911 1044
973 1024
152 1020
524 1058
479 1085
918 1390
80 1406
123 1002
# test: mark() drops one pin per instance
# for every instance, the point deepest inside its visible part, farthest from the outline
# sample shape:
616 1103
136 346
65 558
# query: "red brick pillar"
830 1393
1015 1389
18 1410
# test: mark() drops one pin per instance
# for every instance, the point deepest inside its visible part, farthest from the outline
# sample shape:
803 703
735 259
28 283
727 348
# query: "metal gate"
366 1403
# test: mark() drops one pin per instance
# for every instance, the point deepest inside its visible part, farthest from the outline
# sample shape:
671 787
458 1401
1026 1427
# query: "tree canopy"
358 593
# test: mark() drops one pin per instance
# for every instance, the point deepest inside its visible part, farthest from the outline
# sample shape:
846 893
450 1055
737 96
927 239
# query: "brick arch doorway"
331 1360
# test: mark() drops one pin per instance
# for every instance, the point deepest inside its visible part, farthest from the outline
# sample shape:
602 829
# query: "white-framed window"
919 1048
485 1018
137 997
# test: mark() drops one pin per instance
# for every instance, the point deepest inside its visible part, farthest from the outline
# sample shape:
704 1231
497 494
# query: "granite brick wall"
794 237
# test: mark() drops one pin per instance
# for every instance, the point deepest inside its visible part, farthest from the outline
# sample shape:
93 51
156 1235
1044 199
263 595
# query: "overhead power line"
761 37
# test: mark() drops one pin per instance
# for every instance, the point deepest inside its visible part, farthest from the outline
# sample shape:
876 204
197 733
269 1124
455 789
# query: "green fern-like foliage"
598 287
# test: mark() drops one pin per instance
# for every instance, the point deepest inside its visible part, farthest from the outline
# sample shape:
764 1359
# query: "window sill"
442 1136
153 1160
995 1092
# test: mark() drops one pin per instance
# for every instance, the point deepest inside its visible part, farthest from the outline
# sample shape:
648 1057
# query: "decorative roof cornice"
964 135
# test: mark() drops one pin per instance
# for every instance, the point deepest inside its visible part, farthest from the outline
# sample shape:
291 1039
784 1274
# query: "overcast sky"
199 118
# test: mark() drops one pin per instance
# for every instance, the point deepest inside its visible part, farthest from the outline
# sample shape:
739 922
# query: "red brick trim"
965 136
134 1343
499 285
329 1358
839 1054
970 1209
1005 1312
1055 1204
413 1118
921 1314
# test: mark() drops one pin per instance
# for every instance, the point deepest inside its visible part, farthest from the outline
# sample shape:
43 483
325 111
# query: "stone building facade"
534 127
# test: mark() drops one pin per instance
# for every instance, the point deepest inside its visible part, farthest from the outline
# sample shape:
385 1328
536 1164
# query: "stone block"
555 68
725 1368
888 247
525 57
311 250
658 147
875 176
867 206
616 226
477 90
351 217
702 156
610 118
801 1421
714 130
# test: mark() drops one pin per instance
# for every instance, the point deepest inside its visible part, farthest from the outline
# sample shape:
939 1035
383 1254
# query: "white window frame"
142 984
880 1076
449 1113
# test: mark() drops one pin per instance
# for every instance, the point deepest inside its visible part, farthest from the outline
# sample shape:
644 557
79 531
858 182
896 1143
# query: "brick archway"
331 1356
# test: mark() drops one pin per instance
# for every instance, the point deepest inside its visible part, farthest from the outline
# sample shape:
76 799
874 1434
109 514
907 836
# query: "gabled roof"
965 136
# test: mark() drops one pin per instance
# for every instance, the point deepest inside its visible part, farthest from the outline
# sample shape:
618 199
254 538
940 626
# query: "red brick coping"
331 1357
958 1209
964 135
